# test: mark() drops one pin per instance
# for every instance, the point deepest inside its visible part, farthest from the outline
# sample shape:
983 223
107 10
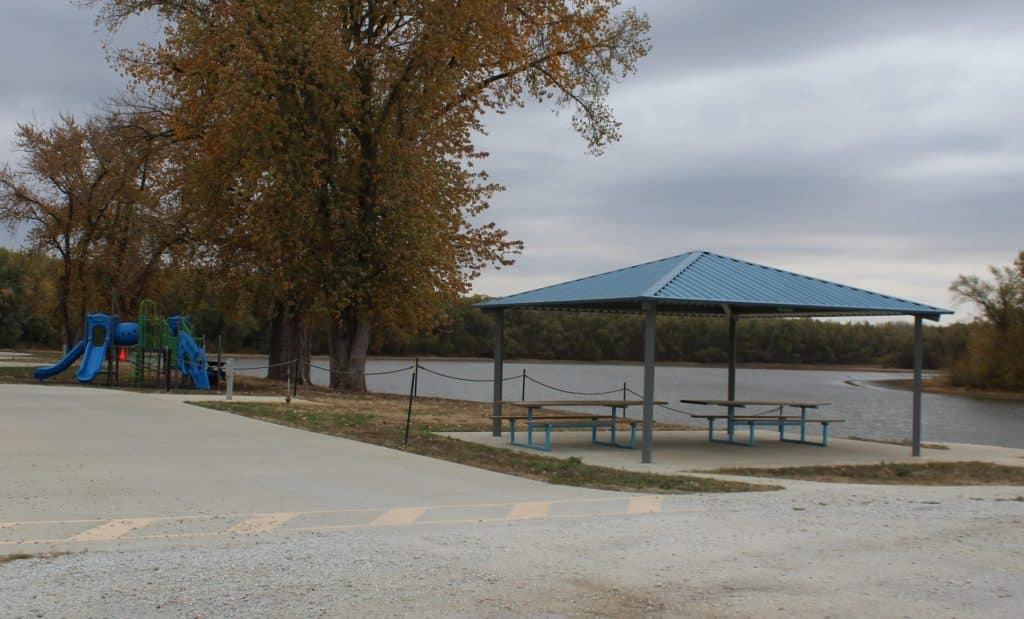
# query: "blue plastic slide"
192 360
63 364
97 338
92 363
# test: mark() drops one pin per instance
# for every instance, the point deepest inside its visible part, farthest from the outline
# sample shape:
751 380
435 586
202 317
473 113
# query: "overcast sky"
876 143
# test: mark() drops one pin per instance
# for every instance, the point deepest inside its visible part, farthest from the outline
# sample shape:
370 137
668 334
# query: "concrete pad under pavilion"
681 451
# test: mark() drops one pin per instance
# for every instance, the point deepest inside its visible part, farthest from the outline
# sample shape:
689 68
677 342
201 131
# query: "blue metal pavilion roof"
702 282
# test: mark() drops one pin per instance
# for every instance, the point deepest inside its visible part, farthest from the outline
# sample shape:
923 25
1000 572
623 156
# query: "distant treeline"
986 354
618 337
28 318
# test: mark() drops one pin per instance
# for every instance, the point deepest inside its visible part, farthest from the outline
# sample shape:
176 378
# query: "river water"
869 410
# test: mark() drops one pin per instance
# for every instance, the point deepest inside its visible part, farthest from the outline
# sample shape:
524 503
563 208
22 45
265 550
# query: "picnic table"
774 416
569 419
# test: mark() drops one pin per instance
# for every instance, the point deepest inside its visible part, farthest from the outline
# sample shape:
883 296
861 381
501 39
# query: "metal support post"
918 363
523 398
650 312
499 327
167 368
731 395
229 389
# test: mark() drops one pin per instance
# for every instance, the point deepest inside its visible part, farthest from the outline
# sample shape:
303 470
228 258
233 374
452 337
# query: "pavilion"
701 283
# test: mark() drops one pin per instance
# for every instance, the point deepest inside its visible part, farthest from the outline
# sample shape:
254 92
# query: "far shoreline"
932 386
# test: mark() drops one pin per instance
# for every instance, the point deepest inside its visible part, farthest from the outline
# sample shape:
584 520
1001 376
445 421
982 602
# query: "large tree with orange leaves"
93 195
333 139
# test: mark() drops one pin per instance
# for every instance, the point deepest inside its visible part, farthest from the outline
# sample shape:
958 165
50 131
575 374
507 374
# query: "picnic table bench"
567 419
775 417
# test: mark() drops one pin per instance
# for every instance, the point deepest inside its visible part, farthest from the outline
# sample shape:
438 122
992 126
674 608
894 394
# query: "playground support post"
111 355
229 389
220 350
167 368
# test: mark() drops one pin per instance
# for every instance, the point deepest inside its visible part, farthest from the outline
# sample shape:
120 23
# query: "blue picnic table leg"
512 431
614 409
824 434
632 435
750 439
529 426
803 424
547 437
711 429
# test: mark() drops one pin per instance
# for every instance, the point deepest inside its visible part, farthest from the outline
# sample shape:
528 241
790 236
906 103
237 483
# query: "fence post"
288 384
229 389
524 385
416 380
295 378
412 394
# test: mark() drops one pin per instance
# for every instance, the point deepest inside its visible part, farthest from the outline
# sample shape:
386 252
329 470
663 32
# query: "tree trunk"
348 342
289 341
65 310
304 353
278 345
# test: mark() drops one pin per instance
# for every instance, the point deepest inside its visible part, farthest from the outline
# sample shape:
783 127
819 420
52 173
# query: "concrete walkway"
682 451
78 453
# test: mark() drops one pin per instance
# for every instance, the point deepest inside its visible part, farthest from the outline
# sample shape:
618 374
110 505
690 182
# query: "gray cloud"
876 143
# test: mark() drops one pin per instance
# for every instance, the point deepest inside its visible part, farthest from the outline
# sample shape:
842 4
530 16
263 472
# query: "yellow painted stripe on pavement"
645 505
111 530
527 511
398 516
262 523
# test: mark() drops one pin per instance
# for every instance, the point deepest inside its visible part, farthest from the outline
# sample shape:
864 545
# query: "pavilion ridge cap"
687 261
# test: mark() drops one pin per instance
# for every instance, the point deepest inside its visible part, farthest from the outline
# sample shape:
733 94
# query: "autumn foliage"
327 147
993 359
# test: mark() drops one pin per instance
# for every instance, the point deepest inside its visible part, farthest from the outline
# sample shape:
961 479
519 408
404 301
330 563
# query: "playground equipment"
159 344
168 343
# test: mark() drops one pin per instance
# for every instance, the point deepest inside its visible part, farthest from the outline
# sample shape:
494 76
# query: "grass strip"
906 442
370 428
918 473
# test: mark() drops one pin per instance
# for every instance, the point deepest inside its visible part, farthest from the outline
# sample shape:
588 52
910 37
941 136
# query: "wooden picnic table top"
742 403
603 403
